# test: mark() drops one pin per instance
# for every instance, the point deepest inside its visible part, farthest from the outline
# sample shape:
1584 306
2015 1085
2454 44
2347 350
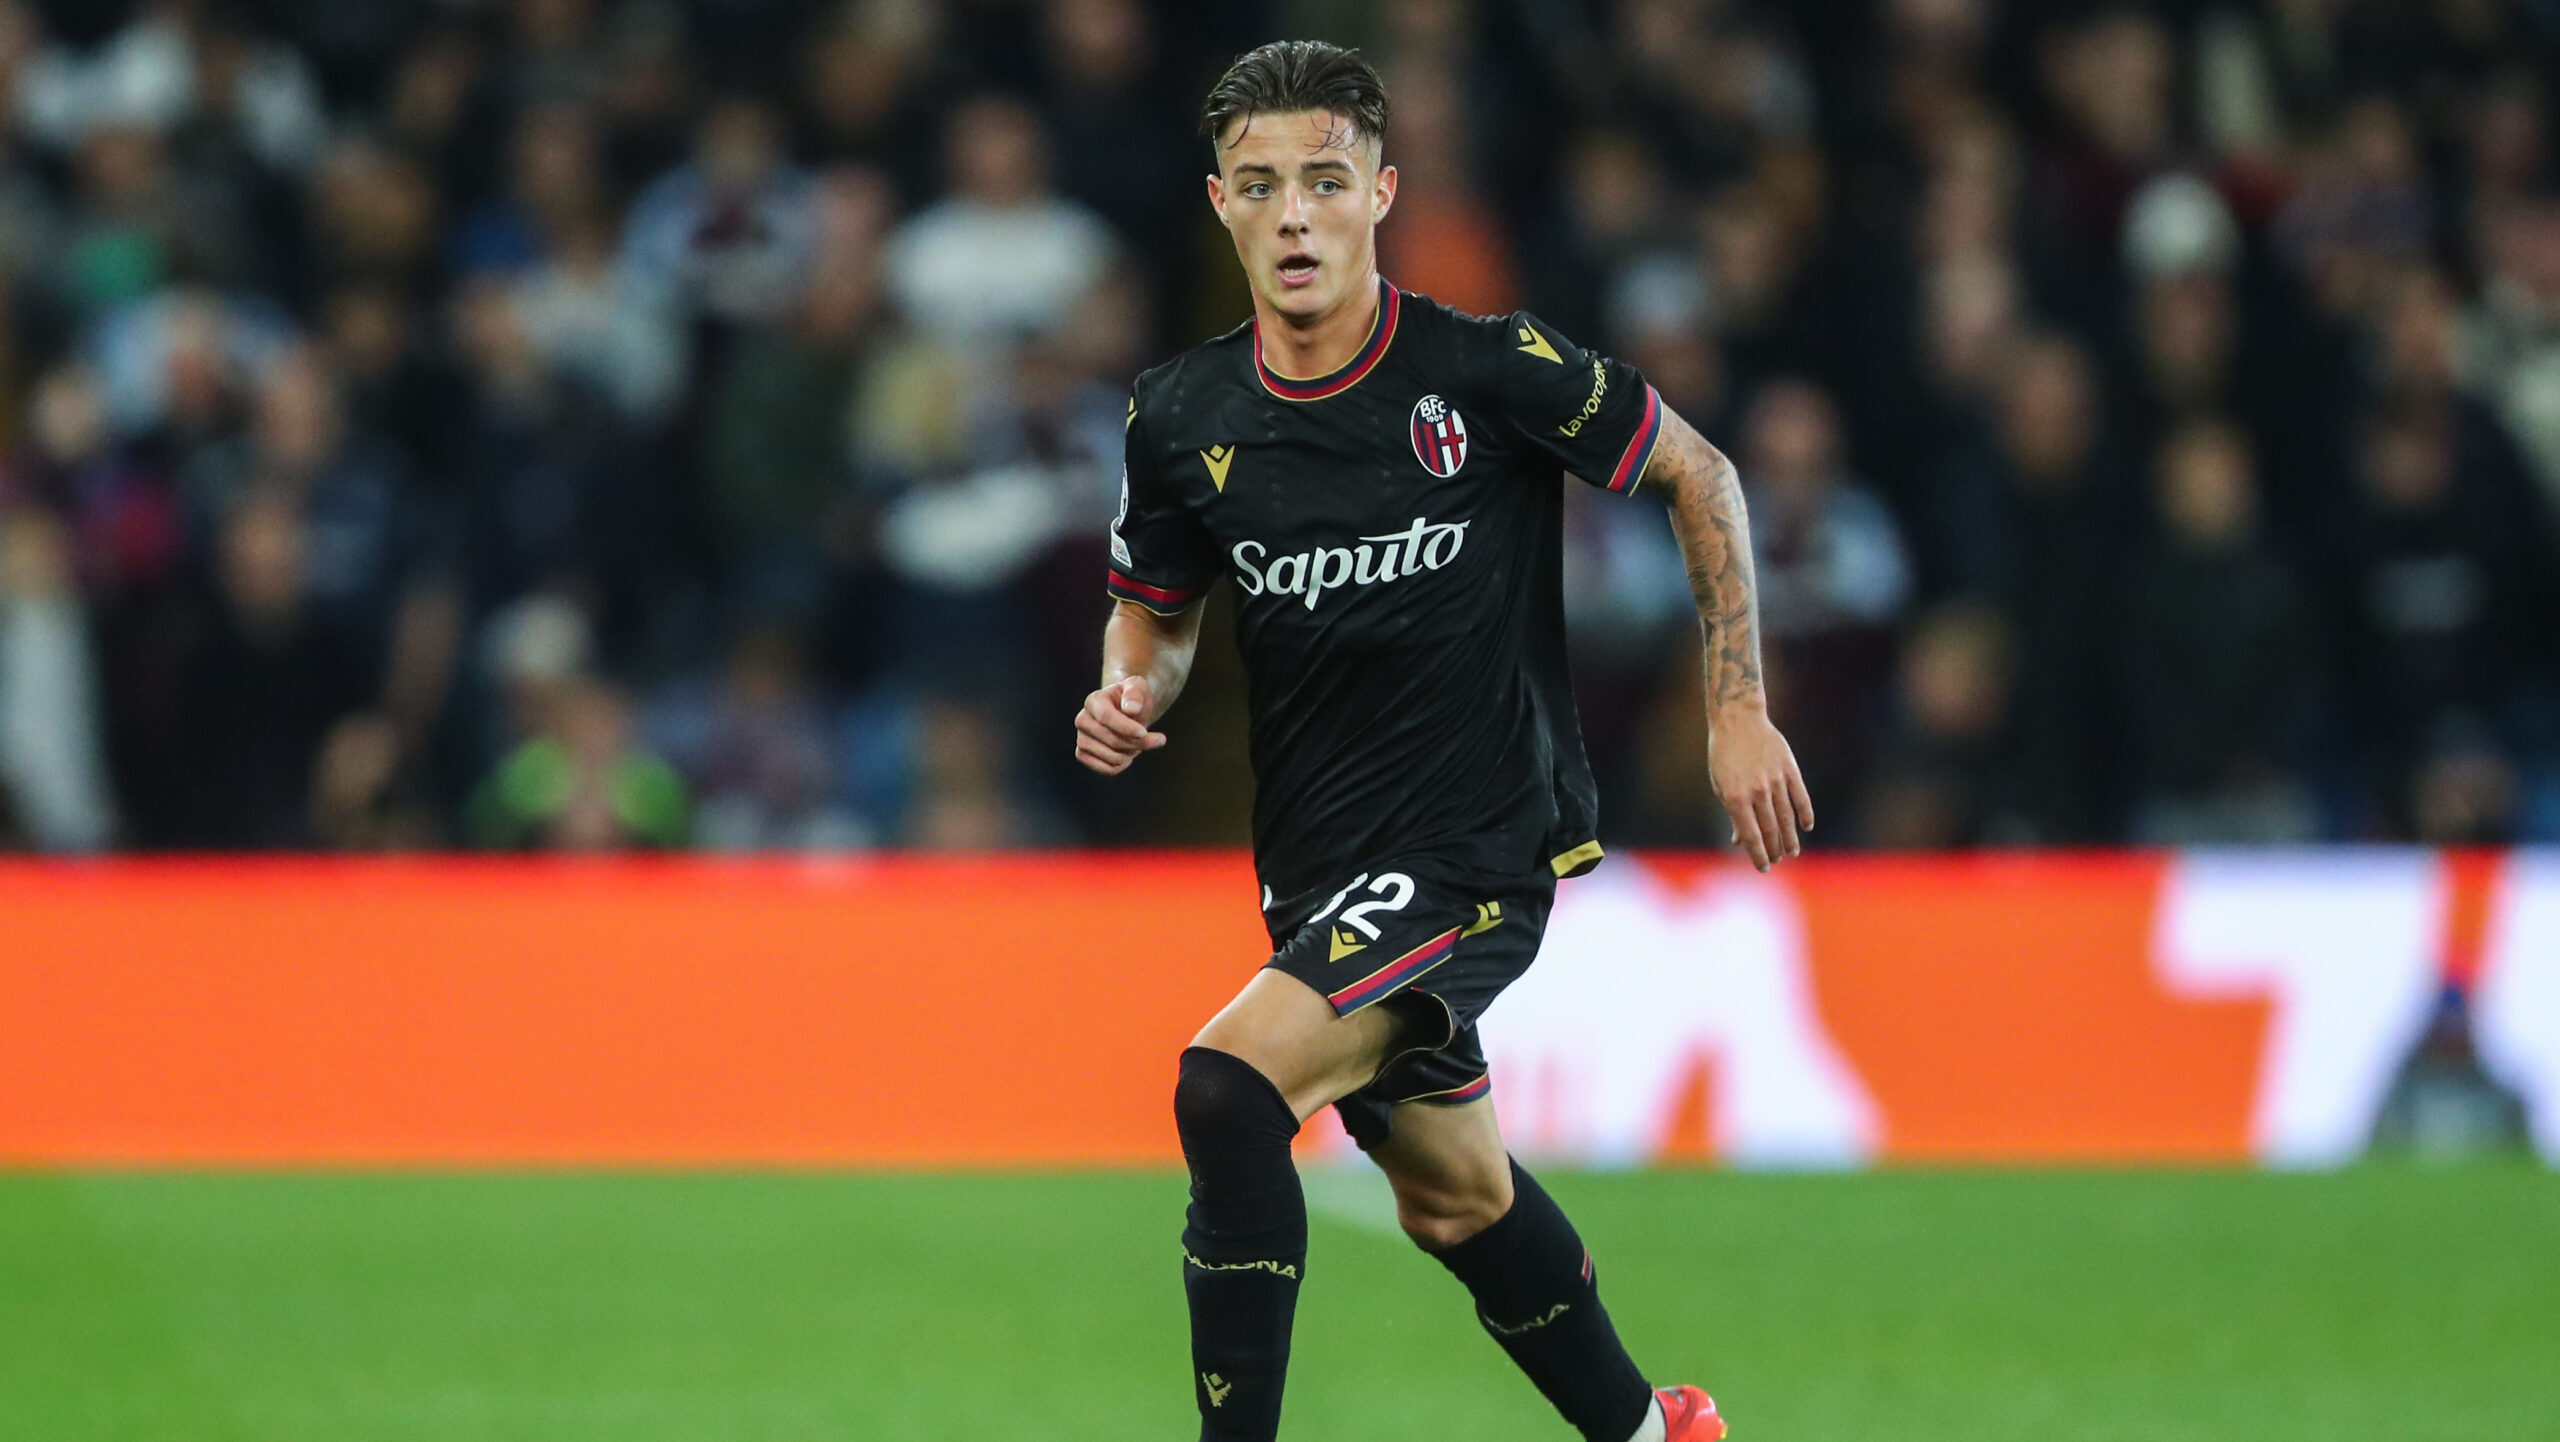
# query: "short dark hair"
1293 75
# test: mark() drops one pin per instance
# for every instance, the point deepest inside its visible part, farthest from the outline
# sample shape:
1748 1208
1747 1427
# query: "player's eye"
1258 190
1328 187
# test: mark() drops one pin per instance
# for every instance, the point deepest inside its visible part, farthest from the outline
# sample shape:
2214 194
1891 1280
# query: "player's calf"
1244 1243
1538 1296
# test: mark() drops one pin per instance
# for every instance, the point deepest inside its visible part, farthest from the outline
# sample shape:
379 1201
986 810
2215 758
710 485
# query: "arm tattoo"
1715 540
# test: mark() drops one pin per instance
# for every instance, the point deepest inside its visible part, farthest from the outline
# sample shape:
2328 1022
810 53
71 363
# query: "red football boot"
1689 1415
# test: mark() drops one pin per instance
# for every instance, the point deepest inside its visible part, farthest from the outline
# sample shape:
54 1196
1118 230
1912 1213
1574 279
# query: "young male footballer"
1378 475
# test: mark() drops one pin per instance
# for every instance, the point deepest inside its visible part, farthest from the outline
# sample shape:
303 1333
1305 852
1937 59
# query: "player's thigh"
1447 1164
1286 1030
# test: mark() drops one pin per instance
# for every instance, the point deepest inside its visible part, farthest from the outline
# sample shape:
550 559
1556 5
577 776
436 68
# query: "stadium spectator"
2033 521
375 214
129 554
2216 659
779 404
1446 243
265 680
52 752
368 793
1833 579
753 747
555 177
582 783
729 234
591 321
1940 777
876 77
966 796
2511 337
2434 562
363 534
1000 255
1123 133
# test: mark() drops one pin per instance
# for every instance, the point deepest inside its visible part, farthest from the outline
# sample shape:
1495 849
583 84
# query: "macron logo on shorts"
1376 560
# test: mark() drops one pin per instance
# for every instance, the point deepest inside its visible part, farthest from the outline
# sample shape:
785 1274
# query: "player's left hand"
1756 778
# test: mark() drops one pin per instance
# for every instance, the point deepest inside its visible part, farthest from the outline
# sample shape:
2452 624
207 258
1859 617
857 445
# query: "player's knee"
1439 1216
1220 1102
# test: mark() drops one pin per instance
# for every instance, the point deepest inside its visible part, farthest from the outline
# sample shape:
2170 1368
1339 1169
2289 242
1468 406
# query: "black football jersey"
1394 535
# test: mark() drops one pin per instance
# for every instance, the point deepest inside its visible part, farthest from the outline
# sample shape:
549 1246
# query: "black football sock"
1245 1247
1537 1296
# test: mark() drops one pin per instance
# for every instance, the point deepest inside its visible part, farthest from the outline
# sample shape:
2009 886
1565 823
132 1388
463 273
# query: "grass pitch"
2049 1307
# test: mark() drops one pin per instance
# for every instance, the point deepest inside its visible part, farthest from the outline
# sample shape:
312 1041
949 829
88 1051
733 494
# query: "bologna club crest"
1439 437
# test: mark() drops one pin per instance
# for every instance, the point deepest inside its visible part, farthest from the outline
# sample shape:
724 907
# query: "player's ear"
1218 196
1382 196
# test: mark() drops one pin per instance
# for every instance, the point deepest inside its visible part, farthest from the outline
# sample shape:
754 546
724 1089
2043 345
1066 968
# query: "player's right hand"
1111 730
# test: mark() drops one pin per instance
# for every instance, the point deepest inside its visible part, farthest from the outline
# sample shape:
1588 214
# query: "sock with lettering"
1537 1296
1245 1246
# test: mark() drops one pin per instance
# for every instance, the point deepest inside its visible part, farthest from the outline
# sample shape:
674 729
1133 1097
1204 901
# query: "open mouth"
1297 268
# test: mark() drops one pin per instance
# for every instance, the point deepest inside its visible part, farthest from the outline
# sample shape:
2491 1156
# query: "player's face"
1302 194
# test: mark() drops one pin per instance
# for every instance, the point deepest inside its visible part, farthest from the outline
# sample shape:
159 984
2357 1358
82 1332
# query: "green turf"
2373 1304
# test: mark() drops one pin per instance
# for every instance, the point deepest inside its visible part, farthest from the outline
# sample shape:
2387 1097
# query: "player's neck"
1306 350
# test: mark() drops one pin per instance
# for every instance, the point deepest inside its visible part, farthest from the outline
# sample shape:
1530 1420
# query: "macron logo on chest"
1375 561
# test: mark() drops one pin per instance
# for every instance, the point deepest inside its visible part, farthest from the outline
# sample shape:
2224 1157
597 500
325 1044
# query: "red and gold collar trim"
1382 330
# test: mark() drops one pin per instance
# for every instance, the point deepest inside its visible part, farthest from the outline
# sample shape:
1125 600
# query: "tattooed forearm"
1705 496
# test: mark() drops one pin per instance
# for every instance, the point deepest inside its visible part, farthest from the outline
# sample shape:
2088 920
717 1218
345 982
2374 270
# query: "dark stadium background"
562 423
533 425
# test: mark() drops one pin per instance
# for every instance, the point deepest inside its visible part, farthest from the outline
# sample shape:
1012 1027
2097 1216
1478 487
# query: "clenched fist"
1111 730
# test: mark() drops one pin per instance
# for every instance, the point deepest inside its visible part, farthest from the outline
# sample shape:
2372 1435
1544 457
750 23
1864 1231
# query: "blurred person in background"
555 174
172 61
177 366
583 782
1011 285
547 487
877 77
753 745
1940 777
2430 563
966 795
779 442
129 554
52 749
2466 789
2182 253
367 791
266 680
1001 254
1833 579
2217 659
2034 522
2510 339
1118 124
376 214
2111 75
729 234
594 324
1446 243
365 531
398 374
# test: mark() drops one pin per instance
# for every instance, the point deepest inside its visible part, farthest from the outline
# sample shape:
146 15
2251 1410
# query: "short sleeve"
1595 415
1162 558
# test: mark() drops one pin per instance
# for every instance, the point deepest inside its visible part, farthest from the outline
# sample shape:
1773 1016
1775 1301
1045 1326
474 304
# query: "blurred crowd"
631 423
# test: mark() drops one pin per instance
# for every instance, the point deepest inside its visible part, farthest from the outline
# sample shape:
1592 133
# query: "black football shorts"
1436 953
